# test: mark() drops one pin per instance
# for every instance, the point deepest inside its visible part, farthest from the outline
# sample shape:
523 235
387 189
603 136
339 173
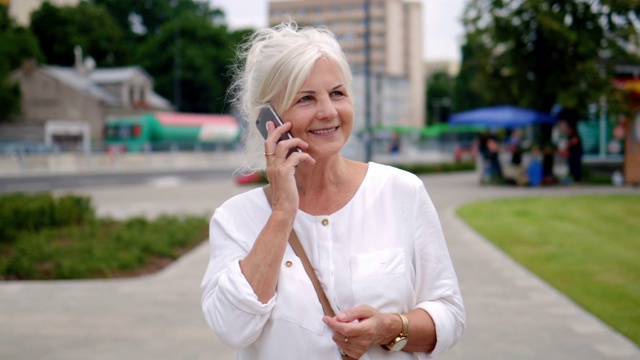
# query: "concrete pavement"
511 313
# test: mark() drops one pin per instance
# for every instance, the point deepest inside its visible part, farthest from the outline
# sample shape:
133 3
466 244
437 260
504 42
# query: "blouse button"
288 264
325 222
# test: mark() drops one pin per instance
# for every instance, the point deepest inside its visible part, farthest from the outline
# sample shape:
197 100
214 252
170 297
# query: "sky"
442 26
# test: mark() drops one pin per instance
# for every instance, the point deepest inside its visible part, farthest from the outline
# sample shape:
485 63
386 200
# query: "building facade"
451 67
397 86
80 95
21 10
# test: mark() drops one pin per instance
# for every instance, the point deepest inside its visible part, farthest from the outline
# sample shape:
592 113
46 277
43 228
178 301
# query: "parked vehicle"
170 130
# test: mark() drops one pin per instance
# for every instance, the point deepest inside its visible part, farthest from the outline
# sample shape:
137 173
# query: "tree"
141 19
17 44
183 44
60 29
543 53
439 93
189 59
467 92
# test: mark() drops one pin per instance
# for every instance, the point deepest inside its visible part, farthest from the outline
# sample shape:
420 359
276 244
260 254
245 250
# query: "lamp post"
177 66
368 136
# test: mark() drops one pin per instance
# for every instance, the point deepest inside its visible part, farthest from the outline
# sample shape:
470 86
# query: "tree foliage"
544 53
183 44
181 62
142 19
439 90
17 44
61 29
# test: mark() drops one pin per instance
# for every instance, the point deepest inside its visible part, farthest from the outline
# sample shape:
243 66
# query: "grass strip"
101 248
588 247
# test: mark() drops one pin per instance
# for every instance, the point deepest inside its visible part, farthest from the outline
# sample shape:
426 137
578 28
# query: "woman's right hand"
281 169
261 266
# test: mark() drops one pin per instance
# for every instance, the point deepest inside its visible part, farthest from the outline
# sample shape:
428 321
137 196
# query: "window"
124 132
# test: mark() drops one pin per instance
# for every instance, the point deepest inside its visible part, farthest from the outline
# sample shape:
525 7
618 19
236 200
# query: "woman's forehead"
325 72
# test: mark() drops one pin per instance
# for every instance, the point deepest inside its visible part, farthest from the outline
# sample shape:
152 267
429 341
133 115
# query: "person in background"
481 143
489 148
574 151
394 145
515 146
370 231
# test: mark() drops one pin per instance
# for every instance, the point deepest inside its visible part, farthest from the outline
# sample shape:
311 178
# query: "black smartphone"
267 113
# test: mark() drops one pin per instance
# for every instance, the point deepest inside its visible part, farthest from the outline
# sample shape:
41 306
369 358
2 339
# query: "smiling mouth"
324 131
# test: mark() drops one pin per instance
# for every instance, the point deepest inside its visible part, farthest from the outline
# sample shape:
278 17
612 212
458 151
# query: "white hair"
275 63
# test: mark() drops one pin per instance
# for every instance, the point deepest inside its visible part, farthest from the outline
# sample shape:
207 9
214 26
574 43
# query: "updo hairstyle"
274 63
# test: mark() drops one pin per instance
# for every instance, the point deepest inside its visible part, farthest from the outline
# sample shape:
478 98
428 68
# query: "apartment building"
451 67
21 10
397 86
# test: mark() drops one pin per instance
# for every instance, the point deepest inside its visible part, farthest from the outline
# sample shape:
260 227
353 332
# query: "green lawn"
588 247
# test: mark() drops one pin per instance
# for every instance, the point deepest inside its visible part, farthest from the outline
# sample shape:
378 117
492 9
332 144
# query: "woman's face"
322 113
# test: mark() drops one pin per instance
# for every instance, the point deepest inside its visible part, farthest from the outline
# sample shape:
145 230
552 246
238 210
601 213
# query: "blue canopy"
505 116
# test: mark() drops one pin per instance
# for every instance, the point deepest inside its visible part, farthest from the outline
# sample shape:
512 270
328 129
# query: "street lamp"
177 66
368 136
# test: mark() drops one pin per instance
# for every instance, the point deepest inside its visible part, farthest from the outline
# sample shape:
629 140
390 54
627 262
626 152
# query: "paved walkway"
511 313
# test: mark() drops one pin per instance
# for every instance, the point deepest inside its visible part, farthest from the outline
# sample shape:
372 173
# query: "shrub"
73 210
100 248
436 168
22 212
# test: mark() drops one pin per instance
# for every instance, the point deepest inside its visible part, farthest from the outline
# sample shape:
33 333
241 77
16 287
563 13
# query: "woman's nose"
326 109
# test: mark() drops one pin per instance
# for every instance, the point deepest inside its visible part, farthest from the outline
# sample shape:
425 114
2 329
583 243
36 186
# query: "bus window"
124 132
111 132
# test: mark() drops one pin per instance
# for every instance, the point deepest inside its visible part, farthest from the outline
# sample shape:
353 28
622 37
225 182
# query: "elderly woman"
370 231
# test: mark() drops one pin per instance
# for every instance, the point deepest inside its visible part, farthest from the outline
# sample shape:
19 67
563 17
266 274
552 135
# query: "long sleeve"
437 288
228 302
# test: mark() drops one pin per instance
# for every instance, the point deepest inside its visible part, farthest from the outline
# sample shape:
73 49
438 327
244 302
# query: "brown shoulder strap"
297 248
299 251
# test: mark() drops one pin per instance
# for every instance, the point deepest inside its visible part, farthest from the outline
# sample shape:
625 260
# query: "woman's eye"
337 93
304 99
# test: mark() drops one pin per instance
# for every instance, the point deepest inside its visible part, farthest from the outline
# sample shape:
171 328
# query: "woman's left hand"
357 329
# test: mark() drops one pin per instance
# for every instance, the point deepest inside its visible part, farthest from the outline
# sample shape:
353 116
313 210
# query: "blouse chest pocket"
380 278
296 301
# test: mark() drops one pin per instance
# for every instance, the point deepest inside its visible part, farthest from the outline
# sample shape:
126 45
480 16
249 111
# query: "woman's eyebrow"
311 92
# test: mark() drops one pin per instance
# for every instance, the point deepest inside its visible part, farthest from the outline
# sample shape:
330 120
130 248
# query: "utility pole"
177 66
368 135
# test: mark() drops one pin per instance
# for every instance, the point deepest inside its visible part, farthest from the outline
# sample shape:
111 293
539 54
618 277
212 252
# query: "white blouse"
385 248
